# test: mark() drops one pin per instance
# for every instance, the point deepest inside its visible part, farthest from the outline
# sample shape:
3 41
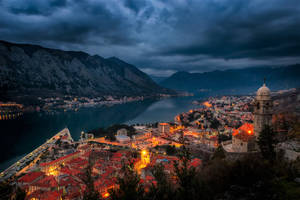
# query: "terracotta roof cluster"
31 177
65 137
148 181
78 163
45 195
46 182
72 186
59 159
107 171
196 162
72 173
69 180
166 161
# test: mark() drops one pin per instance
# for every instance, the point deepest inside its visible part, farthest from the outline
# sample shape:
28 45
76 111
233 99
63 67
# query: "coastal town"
61 167
11 110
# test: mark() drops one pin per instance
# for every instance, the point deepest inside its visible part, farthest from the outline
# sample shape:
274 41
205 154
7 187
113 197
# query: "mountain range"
37 71
235 81
32 70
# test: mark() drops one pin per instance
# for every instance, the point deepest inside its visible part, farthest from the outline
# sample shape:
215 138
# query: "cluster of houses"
66 177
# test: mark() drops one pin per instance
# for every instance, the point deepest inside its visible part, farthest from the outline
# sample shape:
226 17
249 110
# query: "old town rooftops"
31 176
59 159
196 162
45 195
46 182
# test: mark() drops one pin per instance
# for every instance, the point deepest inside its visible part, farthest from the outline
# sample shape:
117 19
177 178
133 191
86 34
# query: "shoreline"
74 103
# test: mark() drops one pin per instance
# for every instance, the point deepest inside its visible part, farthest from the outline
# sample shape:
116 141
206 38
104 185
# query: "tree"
219 153
186 176
7 191
215 124
163 188
223 137
90 192
294 133
19 194
170 150
129 186
267 143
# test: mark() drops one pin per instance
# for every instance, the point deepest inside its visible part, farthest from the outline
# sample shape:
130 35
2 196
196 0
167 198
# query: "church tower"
262 109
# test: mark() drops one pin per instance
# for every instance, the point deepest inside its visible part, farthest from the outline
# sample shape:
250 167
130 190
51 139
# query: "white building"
122 138
122 131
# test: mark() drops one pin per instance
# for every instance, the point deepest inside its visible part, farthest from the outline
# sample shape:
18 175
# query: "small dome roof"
263 91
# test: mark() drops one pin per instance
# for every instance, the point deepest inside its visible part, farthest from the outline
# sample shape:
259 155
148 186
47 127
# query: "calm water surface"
21 136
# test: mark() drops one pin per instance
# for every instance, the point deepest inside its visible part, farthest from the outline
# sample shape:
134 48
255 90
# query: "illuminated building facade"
164 128
243 139
142 136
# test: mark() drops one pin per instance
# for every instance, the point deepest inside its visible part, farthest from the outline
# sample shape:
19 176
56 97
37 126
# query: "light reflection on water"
24 134
10 116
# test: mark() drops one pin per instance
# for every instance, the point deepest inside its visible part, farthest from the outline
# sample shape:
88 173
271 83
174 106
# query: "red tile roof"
80 175
78 163
46 182
98 165
244 133
45 195
30 177
65 170
142 181
87 154
59 159
73 194
67 181
64 137
117 155
149 178
196 162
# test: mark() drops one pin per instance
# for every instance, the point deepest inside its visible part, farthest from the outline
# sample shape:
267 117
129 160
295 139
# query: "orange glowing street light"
105 195
144 152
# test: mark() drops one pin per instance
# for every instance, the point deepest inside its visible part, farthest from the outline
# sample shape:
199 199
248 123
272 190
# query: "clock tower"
262 109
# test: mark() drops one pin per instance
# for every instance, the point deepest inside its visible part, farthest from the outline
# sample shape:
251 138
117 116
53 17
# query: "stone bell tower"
262 109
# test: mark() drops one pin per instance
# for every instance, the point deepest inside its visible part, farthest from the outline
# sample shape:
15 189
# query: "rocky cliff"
37 71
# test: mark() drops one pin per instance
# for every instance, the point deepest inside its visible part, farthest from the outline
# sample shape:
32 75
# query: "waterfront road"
23 164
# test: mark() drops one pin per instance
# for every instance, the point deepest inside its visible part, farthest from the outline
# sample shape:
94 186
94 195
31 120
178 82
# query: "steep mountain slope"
235 81
158 79
34 70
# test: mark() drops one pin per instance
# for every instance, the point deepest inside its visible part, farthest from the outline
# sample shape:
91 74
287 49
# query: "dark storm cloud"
136 6
34 7
162 36
242 31
79 22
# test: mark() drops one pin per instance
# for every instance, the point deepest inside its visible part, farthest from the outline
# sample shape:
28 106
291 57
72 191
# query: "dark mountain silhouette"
235 81
37 71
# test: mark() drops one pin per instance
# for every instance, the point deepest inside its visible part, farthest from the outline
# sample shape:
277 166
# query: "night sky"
162 36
